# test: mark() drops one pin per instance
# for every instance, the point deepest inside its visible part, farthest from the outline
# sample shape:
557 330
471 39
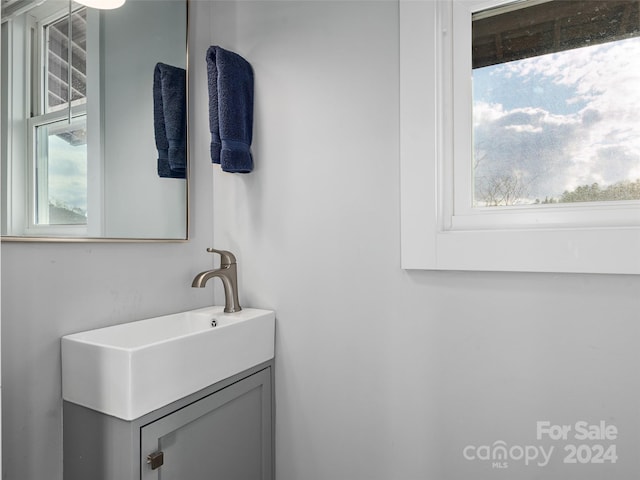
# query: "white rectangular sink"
131 369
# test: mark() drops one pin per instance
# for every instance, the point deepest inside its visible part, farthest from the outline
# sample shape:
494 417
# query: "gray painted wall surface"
50 290
383 373
380 373
128 58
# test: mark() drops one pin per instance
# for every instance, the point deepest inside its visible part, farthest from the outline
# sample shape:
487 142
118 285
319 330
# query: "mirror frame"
81 239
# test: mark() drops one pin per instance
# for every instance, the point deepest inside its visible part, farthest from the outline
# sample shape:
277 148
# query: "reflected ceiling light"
102 4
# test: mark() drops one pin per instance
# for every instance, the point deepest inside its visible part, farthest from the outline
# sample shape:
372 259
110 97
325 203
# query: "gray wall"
384 373
136 37
381 373
50 290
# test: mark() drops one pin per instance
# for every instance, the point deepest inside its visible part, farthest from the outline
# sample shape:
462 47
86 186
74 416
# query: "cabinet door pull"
155 460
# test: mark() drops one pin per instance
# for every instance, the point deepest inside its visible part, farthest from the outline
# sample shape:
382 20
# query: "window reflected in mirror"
55 37
61 173
60 177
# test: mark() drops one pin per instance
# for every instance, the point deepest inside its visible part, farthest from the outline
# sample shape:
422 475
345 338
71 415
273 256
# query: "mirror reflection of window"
61 173
555 102
60 153
56 38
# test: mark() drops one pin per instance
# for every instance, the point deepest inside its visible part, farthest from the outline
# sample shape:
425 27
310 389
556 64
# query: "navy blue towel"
170 119
230 109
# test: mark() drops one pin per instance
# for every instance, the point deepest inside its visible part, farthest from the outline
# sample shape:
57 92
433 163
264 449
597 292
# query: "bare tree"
501 189
495 188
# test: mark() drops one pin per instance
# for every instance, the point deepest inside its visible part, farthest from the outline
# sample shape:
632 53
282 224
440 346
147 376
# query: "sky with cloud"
67 173
561 120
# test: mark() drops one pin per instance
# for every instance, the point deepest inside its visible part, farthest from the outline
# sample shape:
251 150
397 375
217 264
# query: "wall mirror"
97 151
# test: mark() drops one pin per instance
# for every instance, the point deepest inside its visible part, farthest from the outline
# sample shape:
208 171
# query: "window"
55 83
57 127
61 172
555 103
532 159
44 135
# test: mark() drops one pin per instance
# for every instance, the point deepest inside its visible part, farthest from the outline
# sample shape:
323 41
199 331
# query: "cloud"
67 173
556 147
530 141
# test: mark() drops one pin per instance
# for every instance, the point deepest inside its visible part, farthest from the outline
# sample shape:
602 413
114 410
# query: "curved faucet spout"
203 277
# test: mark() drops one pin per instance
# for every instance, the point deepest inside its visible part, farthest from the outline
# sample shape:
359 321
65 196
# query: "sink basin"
132 369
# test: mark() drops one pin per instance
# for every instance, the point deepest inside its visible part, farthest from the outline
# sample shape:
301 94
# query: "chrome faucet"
228 273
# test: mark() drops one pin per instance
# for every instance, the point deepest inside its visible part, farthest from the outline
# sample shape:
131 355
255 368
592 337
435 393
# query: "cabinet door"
226 435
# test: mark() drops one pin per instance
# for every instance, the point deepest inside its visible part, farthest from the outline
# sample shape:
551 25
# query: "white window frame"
44 116
18 207
14 52
38 164
438 231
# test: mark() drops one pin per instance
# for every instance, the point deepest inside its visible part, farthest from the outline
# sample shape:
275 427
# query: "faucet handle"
227 258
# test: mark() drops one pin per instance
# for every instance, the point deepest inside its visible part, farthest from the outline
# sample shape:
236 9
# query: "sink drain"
214 323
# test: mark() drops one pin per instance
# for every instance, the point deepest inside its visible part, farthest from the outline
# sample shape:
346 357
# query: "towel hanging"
170 119
230 80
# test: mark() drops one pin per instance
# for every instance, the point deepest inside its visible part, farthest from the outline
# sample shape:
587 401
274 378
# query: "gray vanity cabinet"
221 436
223 432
